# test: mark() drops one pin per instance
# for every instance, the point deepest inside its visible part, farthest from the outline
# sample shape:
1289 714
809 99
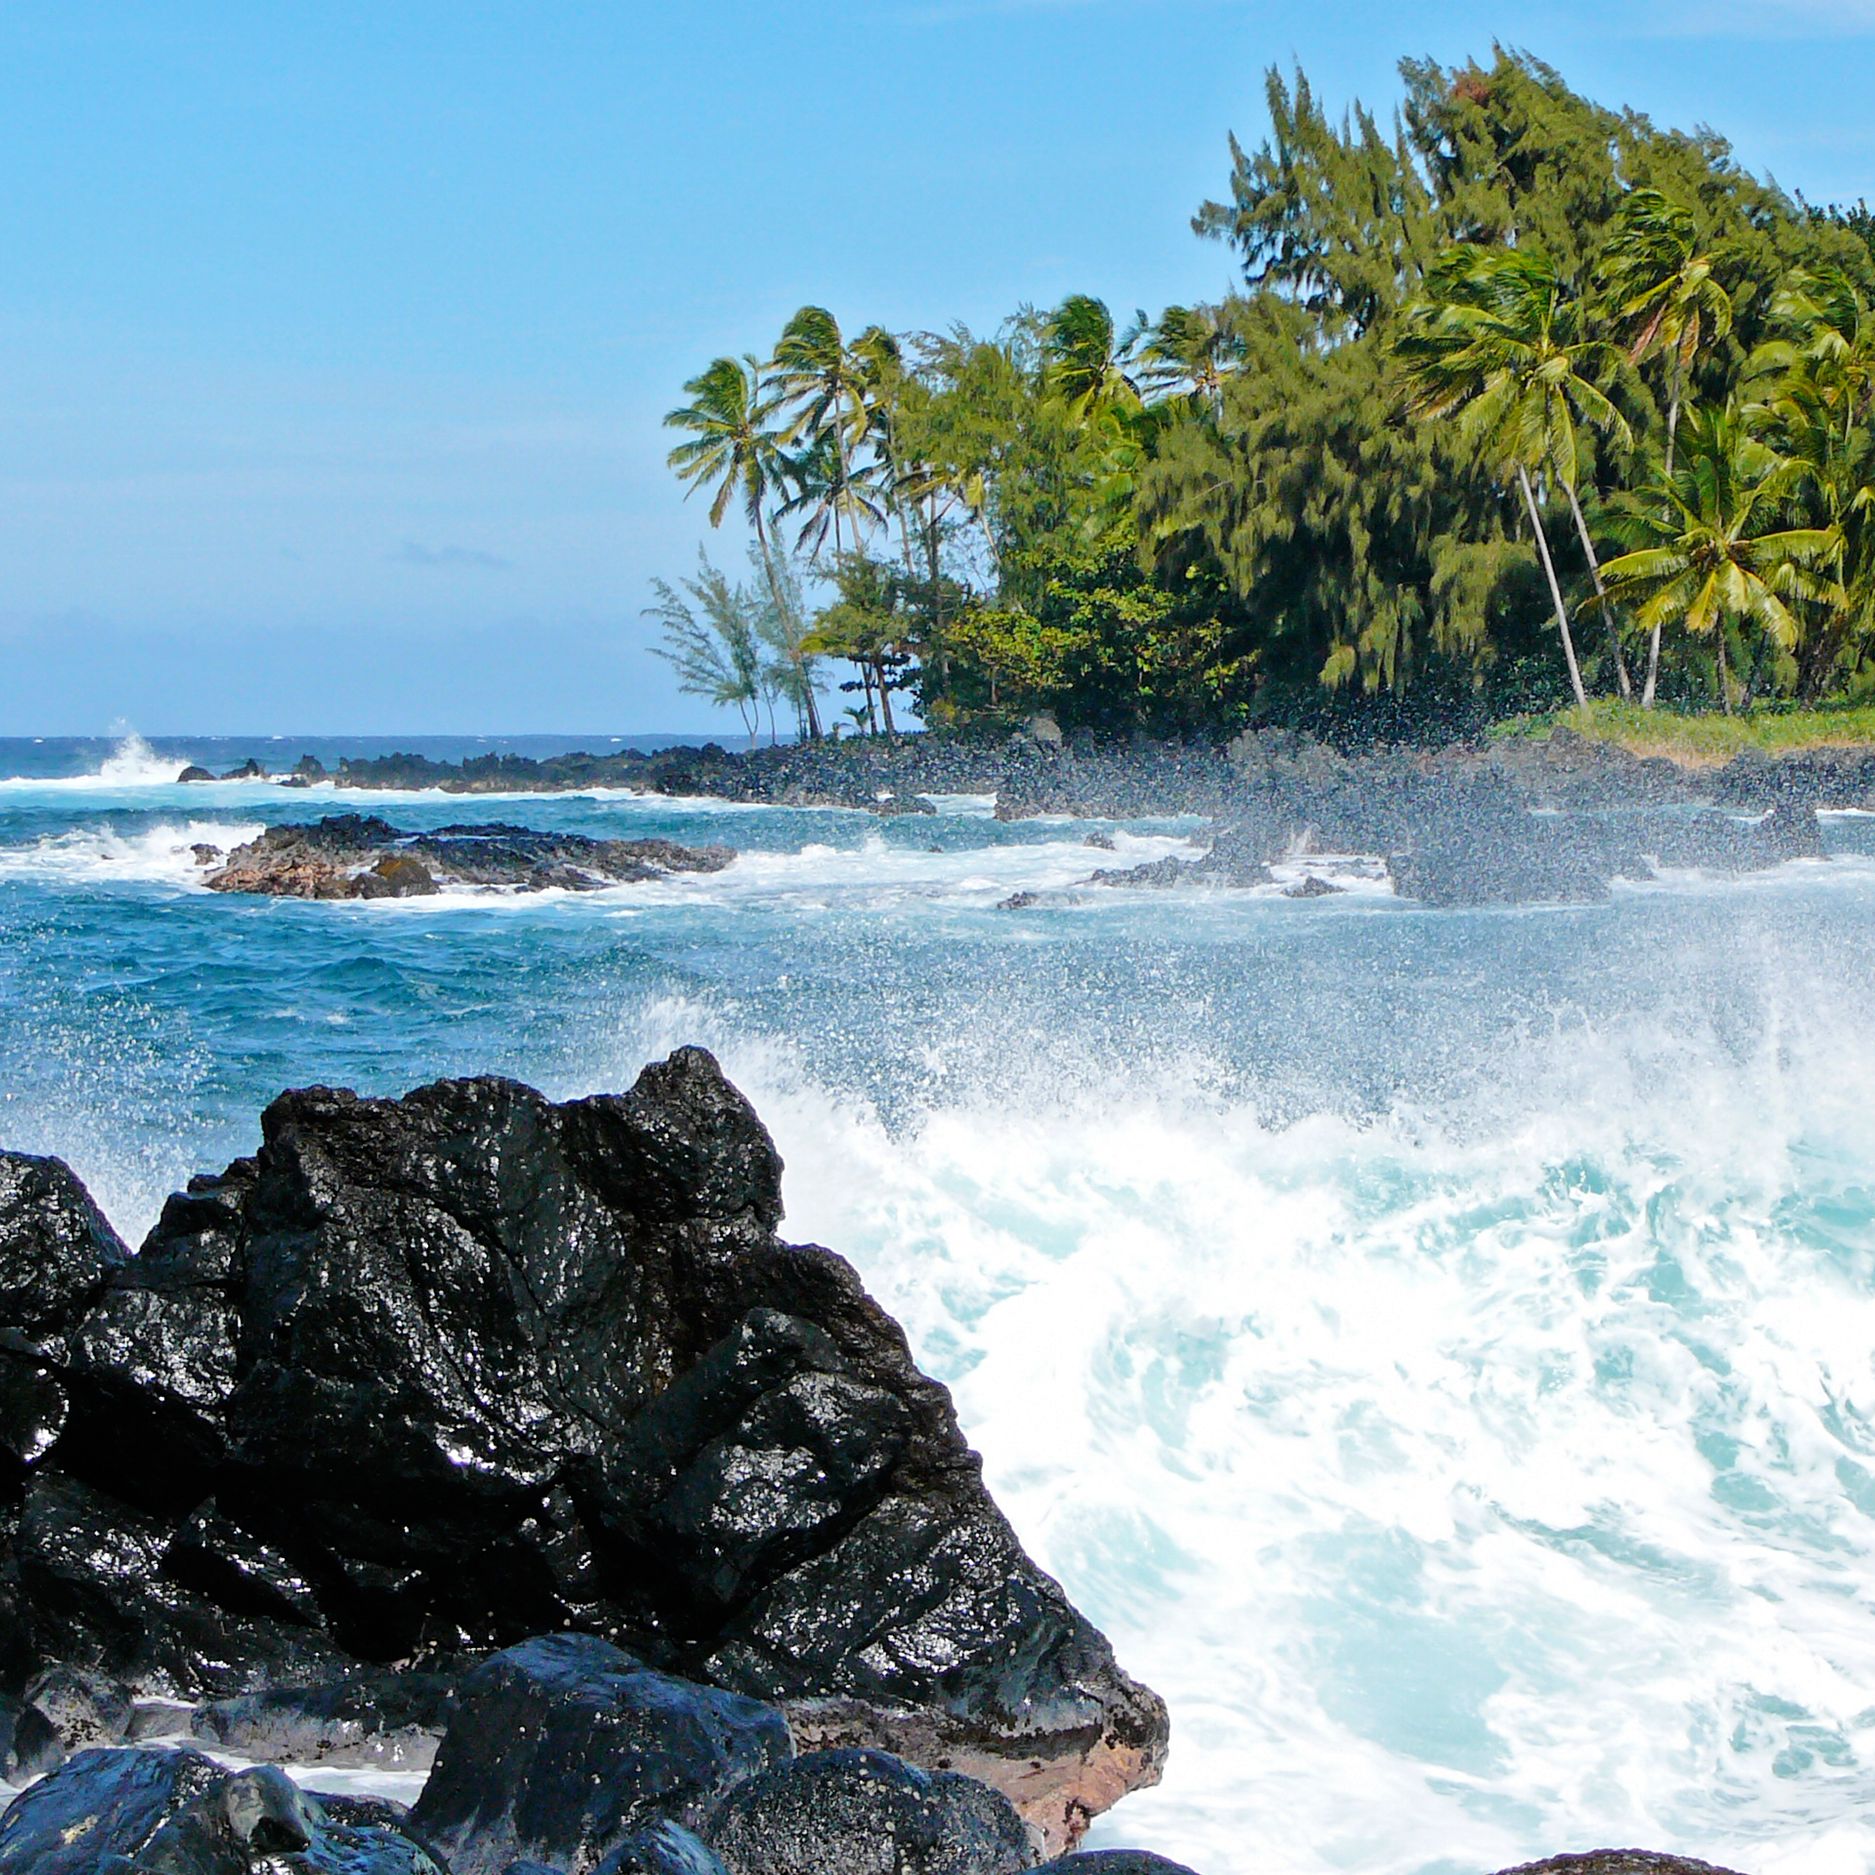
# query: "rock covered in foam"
434 1375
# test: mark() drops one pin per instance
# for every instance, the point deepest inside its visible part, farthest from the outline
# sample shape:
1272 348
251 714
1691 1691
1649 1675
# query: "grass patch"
1708 736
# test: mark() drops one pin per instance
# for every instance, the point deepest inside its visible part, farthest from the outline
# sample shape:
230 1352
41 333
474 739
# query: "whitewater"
1437 1347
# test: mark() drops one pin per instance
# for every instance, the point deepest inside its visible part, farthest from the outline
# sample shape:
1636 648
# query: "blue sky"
334 337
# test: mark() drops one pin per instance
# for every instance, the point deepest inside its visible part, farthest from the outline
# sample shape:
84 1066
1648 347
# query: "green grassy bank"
1709 736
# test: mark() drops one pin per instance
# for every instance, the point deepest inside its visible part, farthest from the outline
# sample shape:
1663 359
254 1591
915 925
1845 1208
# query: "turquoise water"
1438 1347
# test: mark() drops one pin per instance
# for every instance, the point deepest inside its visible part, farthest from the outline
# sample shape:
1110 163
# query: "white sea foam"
159 855
132 764
1473 1487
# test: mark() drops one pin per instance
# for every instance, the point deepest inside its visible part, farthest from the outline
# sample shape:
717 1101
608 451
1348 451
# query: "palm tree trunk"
937 595
1725 687
1601 594
865 679
781 612
885 697
1555 591
1653 637
1757 671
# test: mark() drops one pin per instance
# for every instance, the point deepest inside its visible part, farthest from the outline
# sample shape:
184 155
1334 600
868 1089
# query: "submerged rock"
435 1375
559 1749
866 1813
361 856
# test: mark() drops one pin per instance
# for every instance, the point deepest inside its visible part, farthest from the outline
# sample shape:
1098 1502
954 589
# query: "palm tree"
1711 548
815 374
1087 364
733 451
1497 340
1194 351
1660 290
1833 322
1835 474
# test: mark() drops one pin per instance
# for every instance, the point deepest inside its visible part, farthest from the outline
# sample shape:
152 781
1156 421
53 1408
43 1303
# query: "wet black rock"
1019 901
371 1717
361 856
666 1849
869 1813
1312 886
83 1708
1113 1862
1618 1862
259 1822
195 772
1170 870
250 770
428 1377
99 1803
29 1747
561 1747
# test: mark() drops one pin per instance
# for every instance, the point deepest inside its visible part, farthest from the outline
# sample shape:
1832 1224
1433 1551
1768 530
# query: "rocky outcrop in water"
431 1376
360 856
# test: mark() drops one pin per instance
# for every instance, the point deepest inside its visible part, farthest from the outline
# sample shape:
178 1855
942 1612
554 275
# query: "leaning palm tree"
734 452
1659 289
1711 545
1496 340
816 376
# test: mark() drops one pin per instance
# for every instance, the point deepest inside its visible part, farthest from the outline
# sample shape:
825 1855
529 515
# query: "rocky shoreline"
1518 821
508 1445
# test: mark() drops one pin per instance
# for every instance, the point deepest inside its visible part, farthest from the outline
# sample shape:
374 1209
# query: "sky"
335 337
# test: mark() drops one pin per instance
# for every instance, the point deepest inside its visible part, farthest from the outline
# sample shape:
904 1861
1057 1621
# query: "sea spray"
1477 1483
1435 1345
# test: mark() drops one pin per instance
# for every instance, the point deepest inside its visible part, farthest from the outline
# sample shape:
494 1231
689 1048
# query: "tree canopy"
1382 476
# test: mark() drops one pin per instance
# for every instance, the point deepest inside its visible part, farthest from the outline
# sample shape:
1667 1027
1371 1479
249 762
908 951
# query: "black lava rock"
29 1747
1618 1862
428 1377
1113 1862
561 1747
82 1708
98 1803
371 1717
866 1813
668 1849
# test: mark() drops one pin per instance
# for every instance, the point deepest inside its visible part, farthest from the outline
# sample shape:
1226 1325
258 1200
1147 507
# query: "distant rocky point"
360 856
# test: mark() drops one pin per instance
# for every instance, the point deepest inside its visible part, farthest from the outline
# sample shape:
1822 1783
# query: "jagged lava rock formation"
361 856
427 1377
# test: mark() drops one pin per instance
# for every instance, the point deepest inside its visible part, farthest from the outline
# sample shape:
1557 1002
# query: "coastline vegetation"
1697 738
1523 405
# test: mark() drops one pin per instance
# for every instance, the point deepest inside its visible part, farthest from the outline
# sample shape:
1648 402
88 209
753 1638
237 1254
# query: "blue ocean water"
1438 1347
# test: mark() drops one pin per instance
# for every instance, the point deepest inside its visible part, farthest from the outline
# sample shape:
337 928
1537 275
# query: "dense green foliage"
1521 400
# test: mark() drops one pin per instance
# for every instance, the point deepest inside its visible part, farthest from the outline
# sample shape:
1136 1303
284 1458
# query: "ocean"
1438 1347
